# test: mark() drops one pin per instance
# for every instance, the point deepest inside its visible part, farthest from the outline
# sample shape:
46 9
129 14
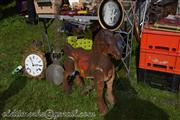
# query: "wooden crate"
46 6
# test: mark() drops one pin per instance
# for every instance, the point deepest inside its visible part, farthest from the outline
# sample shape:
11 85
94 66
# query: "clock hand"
31 61
37 65
113 14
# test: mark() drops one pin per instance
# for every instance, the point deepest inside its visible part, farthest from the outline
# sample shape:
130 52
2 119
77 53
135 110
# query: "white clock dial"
111 13
34 65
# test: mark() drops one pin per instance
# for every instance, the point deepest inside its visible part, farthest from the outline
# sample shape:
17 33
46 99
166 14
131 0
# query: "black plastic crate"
160 80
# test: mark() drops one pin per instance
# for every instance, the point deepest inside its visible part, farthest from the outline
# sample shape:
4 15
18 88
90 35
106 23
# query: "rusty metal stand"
127 31
46 24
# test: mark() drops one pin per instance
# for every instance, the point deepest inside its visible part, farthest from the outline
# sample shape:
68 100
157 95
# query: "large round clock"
34 64
110 14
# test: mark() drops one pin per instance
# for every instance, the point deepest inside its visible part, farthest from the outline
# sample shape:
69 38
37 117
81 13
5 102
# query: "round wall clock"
34 64
110 14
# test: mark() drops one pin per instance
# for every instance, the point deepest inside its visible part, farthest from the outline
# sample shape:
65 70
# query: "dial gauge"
110 14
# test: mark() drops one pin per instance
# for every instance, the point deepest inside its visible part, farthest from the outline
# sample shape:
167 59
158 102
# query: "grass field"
17 92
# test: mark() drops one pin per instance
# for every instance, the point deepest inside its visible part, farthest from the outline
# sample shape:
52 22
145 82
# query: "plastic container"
159 62
160 80
161 41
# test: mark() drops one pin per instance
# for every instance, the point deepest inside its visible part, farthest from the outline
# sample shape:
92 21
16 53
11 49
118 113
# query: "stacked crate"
159 63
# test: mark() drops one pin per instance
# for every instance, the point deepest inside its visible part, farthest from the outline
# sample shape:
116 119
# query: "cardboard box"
47 6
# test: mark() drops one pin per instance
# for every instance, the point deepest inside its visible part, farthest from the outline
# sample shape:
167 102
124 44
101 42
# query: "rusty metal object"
161 10
95 64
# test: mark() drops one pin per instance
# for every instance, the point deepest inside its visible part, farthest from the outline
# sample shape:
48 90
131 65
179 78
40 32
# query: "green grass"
17 92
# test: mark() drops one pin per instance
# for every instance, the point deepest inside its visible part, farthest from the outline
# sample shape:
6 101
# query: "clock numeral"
28 69
38 69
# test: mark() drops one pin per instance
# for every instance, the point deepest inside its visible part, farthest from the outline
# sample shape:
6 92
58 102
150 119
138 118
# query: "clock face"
110 14
34 65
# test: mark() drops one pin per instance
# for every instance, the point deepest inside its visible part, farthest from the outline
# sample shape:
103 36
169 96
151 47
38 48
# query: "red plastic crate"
161 41
159 62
